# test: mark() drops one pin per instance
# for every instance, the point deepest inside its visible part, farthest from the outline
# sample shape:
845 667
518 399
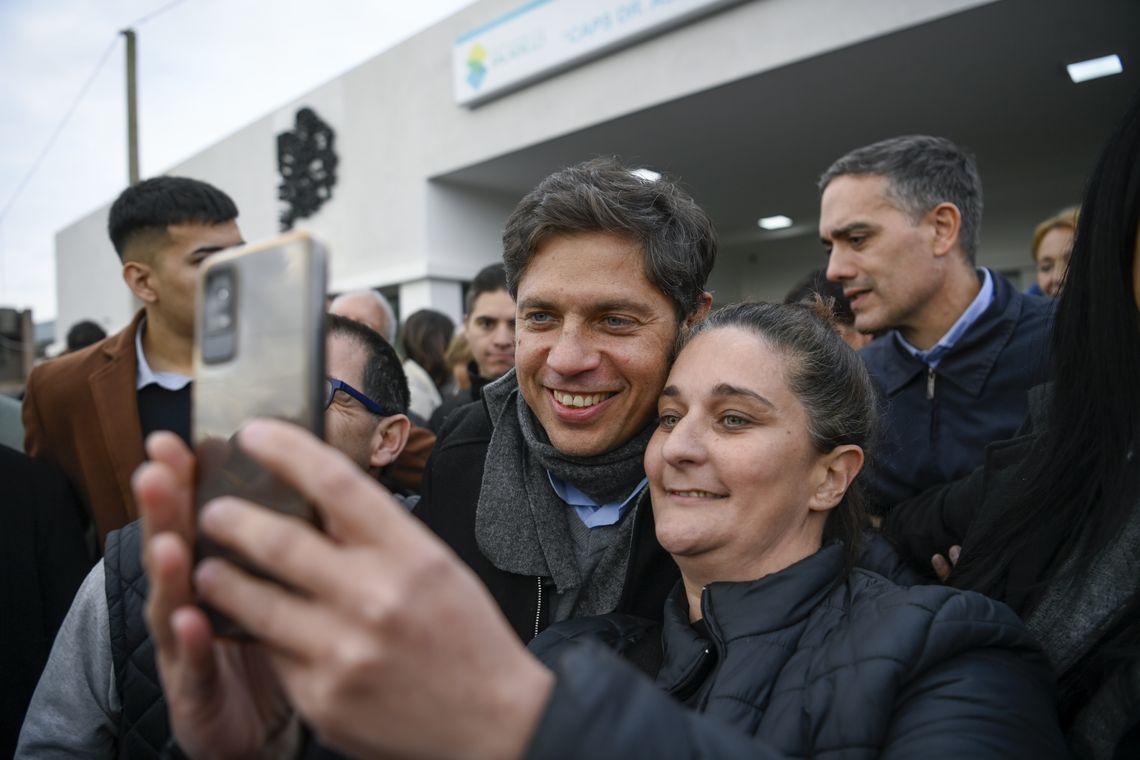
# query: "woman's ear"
836 470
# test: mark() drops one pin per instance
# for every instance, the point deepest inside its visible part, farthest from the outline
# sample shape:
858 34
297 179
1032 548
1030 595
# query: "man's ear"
388 440
836 471
138 277
702 310
946 222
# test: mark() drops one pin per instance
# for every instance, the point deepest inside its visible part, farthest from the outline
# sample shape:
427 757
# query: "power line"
159 12
59 128
75 104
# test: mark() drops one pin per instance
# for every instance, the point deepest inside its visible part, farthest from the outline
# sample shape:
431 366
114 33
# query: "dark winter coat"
937 423
144 726
807 662
1088 625
451 494
460 398
43 558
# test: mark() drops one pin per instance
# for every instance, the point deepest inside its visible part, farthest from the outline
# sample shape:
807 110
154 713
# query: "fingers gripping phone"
258 352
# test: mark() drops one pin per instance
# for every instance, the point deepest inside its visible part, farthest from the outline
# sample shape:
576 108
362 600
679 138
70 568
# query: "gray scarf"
520 523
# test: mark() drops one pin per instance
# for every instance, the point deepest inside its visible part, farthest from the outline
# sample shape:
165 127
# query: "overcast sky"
206 69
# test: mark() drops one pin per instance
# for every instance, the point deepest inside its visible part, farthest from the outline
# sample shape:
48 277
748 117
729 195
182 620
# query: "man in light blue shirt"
901 220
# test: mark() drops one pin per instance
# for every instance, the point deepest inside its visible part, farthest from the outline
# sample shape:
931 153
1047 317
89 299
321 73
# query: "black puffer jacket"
144 726
806 663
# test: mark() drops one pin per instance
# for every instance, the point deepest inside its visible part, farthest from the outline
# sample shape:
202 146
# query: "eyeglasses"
332 385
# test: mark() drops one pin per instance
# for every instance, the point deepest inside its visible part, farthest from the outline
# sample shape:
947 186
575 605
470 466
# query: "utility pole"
132 110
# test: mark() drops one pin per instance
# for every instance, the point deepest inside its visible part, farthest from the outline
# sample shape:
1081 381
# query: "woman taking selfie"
775 643
773 630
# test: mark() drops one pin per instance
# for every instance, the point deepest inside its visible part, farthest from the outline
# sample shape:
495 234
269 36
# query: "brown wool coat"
81 413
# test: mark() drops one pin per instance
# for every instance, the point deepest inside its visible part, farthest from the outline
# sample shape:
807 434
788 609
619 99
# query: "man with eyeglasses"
371 308
370 425
100 695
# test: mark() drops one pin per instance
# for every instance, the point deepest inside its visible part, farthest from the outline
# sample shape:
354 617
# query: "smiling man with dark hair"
541 488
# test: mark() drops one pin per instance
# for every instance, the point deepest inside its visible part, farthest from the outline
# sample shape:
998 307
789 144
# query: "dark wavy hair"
603 195
828 378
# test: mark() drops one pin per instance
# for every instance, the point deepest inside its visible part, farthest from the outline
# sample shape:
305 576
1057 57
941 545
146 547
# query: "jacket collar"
969 363
477 380
736 610
113 391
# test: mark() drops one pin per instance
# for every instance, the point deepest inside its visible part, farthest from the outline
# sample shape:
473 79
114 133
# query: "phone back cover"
277 368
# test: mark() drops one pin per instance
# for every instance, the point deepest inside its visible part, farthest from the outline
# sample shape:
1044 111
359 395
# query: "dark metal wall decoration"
307 164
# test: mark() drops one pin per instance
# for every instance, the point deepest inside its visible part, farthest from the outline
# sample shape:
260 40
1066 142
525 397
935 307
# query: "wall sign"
542 37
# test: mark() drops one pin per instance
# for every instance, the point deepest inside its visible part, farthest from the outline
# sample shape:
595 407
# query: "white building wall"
397 126
88 278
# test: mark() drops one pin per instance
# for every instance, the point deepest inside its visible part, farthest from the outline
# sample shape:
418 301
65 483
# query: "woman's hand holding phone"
223 696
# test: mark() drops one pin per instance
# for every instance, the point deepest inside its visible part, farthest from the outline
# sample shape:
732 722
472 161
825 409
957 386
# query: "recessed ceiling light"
1095 68
646 174
777 222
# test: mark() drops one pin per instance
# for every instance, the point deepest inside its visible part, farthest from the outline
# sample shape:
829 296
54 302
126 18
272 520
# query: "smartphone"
259 351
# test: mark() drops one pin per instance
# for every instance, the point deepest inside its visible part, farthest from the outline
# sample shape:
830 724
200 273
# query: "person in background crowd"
774 645
489 327
100 695
423 342
371 308
1052 244
901 220
88 412
458 356
1051 523
44 554
541 488
83 333
815 283
368 307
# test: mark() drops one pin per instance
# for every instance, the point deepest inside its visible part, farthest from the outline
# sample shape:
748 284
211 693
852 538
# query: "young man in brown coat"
88 412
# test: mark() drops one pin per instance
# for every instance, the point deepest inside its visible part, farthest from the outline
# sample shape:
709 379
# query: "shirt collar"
977 307
590 512
144 376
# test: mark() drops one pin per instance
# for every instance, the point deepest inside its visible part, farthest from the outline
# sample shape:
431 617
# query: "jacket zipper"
538 607
930 383
696 677
628 569
704 670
